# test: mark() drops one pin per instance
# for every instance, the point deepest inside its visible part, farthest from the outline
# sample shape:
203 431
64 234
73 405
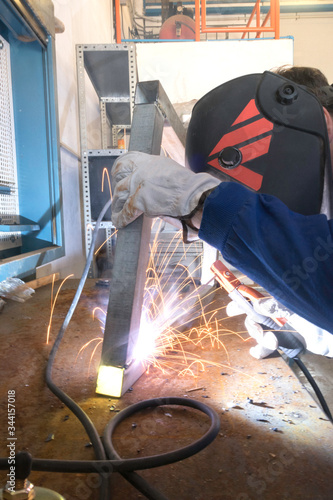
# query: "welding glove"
157 187
313 338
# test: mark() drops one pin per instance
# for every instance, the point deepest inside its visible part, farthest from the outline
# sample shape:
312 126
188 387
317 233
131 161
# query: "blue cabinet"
28 38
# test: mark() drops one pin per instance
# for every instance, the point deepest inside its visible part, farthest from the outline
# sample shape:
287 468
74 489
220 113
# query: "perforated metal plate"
111 69
9 202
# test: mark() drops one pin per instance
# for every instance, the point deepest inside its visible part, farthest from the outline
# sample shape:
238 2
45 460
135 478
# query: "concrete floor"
275 443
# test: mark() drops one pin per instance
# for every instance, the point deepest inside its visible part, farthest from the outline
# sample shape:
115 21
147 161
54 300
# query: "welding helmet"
267 133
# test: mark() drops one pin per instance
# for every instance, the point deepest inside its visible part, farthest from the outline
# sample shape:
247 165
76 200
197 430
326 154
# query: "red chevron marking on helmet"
243 134
240 173
248 112
255 149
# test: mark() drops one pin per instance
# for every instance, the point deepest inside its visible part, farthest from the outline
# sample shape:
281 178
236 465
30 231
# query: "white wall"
313 40
86 21
188 70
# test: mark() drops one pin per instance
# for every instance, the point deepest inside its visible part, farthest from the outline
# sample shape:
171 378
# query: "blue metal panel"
53 143
37 151
29 101
13 20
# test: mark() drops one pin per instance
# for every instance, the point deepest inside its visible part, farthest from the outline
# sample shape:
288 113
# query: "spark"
169 307
173 302
53 303
99 341
52 288
97 309
105 241
107 175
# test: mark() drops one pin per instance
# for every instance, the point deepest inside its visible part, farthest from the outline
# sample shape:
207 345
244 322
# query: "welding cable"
315 387
127 466
170 457
293 348
75 408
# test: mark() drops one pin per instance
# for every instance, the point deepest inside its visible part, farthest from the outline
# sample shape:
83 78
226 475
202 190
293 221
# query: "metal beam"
153 92
119 369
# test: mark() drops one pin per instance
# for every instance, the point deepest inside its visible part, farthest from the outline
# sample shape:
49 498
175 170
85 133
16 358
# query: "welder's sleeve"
288 254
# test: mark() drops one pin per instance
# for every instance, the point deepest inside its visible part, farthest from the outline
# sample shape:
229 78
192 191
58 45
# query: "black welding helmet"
267 133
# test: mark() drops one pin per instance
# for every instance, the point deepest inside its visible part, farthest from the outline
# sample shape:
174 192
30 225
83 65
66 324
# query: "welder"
273 139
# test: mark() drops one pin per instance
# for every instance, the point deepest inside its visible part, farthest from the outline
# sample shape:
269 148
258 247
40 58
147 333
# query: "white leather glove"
156 186
313 338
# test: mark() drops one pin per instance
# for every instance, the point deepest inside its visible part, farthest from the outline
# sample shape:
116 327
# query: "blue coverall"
288 254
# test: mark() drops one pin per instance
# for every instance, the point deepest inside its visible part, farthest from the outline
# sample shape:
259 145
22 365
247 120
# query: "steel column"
132 253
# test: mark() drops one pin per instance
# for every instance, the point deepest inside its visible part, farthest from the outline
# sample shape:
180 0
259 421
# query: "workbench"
274 443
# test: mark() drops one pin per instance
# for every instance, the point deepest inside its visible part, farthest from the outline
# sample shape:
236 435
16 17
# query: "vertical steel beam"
119 369
131 254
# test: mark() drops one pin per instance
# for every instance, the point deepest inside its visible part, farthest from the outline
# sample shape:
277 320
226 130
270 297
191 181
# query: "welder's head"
266 132
313 80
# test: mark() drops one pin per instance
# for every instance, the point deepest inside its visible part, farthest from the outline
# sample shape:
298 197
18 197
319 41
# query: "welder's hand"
313 338
267 342
156 186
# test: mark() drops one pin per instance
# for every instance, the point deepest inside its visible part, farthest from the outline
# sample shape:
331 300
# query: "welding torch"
245 297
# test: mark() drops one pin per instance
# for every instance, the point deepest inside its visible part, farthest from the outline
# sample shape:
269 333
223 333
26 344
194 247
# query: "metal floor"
275 443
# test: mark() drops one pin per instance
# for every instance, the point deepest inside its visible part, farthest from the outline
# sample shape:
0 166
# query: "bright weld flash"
172 299
110 381
145 345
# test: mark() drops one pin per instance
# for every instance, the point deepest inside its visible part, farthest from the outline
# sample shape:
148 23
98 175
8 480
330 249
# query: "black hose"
165 458
293 347
75 408
127 466
315 387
